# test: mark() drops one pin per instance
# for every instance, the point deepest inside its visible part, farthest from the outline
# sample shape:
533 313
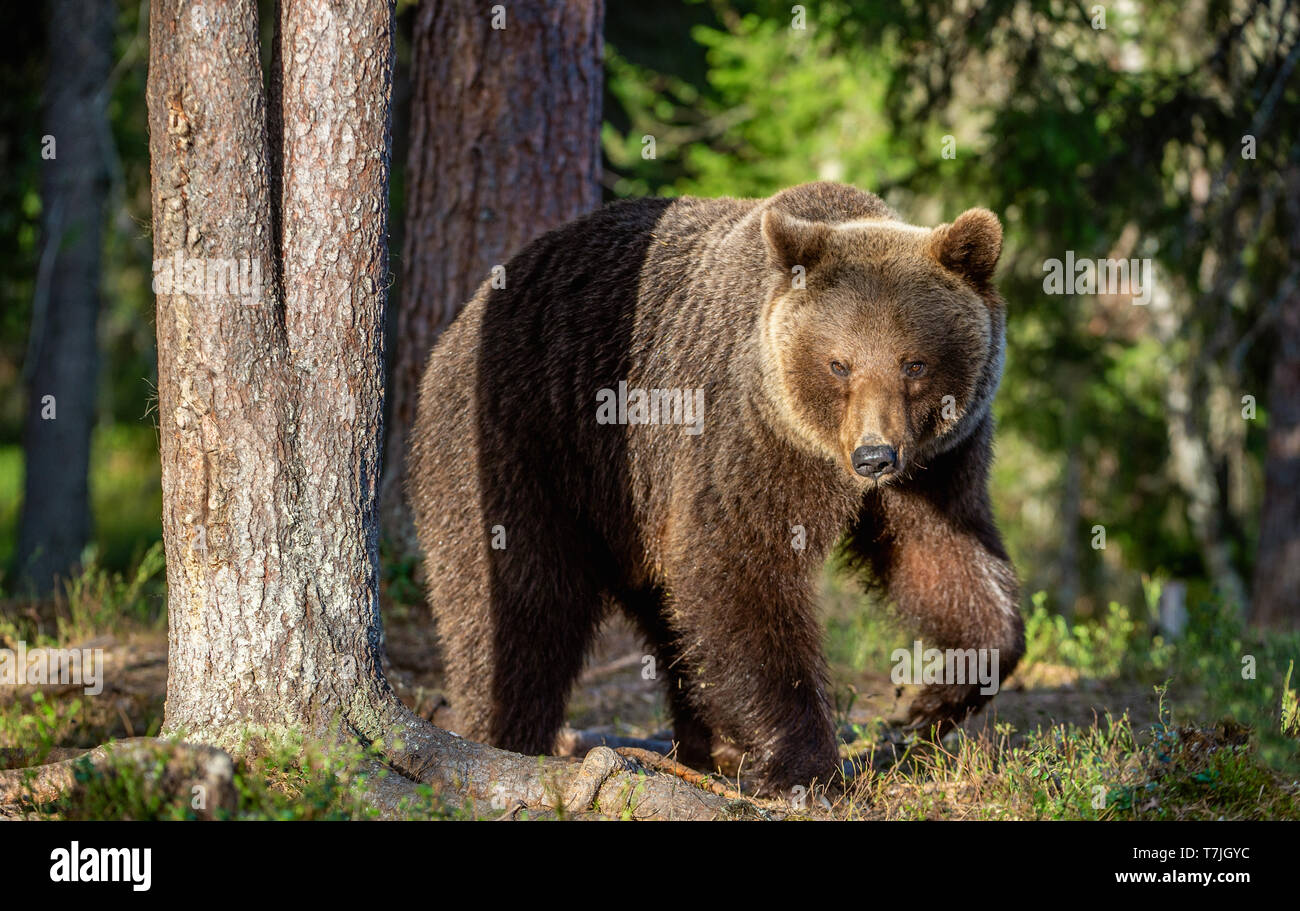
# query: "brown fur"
692 535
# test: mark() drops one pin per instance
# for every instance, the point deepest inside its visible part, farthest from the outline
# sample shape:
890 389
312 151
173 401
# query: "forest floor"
1098 722
614 697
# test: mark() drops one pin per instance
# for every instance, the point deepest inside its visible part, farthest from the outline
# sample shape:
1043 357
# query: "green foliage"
39 724
860 636
100 600
1197 772
11 487
1241 675
401 589
293 779
121 791
96 601
780 107
1222 668
1290 706
20 202
1100 649
125 494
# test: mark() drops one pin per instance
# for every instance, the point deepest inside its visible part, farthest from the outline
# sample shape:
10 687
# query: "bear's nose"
873 461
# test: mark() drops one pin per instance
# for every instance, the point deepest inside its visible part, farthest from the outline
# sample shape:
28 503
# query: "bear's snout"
875 461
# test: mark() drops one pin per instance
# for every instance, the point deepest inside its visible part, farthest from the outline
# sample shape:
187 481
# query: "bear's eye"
913 369
839 369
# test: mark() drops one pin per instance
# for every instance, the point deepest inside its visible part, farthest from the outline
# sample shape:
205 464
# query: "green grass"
1234 673
95 602
1225 743
1106 771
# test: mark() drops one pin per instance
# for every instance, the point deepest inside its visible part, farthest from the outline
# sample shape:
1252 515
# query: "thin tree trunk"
1067 559
1276 594
505 145
1190 453
63 353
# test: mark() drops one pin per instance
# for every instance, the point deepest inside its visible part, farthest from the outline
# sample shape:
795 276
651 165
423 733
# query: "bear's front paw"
799 769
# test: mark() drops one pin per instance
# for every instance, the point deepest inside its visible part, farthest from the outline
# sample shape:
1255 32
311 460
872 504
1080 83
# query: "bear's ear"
970 246
794 242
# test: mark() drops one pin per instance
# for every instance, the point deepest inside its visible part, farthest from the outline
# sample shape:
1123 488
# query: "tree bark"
270 402
63 353
1276 593
505 145
270 405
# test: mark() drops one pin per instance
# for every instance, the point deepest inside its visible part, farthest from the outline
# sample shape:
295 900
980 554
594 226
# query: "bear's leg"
934 546
547 613
752 657
692 734
516 635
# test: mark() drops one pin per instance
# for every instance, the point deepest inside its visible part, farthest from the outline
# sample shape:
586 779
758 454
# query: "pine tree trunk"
269 403
63 369
505 145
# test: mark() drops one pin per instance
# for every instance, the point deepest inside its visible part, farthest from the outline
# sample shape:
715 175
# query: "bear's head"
882 342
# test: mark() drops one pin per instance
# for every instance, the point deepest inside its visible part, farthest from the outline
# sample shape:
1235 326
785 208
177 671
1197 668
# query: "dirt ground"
612 697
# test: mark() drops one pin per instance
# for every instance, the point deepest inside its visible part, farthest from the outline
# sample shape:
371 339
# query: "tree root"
598 767
21 757
653 760
461 770
200 776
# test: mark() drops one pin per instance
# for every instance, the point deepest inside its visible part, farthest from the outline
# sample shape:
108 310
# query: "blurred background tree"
484 175
62 351
1160 130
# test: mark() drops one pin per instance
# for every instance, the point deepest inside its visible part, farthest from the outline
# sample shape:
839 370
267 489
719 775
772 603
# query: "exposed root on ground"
462 771
201 776
653 760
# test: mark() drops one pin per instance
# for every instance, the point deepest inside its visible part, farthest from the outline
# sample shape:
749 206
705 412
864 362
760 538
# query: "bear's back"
835 203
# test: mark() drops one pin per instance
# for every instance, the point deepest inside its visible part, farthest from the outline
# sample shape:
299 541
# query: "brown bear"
680 407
